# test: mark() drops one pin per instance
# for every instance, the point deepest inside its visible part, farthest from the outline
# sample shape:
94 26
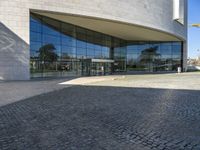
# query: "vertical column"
185 55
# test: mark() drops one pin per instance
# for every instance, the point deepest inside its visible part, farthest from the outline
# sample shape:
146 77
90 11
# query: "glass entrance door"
101 68
87 67
84 68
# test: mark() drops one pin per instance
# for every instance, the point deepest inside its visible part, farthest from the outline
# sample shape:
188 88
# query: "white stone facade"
14 24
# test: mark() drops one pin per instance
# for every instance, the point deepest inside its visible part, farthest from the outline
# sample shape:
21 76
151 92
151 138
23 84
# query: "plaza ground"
121 112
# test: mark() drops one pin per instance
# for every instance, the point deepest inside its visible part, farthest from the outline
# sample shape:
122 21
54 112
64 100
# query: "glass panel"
90 52
142 48
51 26
98 54
68 40
176 48
132 49
69 30
35 37
69 49
166 48
81 51
81 44
49 39
36 27
35 46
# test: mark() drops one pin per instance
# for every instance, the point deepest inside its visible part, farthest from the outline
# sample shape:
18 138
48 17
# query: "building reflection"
62 49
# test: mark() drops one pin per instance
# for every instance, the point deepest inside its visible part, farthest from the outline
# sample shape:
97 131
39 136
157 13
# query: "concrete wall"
14 40
14 17
14 56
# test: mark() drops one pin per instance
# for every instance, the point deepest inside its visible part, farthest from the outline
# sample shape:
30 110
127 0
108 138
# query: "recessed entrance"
62 49
95 67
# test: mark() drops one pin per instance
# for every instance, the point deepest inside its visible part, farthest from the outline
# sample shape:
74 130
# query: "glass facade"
62 49
154 56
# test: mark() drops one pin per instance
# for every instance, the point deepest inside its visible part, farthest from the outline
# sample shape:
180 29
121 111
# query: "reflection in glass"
62 49
154 56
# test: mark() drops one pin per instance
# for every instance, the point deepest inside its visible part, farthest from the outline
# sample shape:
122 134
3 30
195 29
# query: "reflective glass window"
81 51
68 40
35 46
49 39
35 37
166 48
176 48
35 27
57 46
51 26
69 49
90 52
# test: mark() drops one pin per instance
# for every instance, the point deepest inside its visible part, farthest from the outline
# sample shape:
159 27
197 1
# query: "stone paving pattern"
103 118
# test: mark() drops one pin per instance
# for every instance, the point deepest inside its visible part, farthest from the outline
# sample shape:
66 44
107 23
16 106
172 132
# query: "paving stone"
103 118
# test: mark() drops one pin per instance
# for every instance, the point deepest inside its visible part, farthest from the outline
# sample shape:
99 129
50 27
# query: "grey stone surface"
104 117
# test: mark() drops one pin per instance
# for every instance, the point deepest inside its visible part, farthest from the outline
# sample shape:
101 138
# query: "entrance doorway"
96 67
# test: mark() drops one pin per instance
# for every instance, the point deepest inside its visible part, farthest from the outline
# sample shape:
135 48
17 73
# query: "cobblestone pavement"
103 118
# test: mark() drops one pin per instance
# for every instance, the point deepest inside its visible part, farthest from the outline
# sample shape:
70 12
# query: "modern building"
40 38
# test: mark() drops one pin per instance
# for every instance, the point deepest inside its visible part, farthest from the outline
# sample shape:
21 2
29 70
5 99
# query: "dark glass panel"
69 49
81 31
176 48
132 49
35 37
98 54
166 48
50 39
81 44
123 52
90 52
51 27
90 46
176 56
35 46
156 46
66 56
142 48
107 41
34 54
68 40
97 47
117 53
68 30
132 62
35 26
105 52
81 56
81 51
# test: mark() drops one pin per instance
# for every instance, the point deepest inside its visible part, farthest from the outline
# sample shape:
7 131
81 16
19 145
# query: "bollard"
179 70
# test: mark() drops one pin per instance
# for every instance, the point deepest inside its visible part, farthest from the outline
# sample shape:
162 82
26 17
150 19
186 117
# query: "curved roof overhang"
129 32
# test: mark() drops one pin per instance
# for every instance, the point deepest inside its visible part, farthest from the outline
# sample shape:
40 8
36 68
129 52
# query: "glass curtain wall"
62 49
154 56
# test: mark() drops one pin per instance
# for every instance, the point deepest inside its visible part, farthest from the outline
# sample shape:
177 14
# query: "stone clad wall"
14 40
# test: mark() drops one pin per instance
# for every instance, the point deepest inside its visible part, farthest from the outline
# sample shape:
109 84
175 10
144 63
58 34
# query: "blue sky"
193 33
